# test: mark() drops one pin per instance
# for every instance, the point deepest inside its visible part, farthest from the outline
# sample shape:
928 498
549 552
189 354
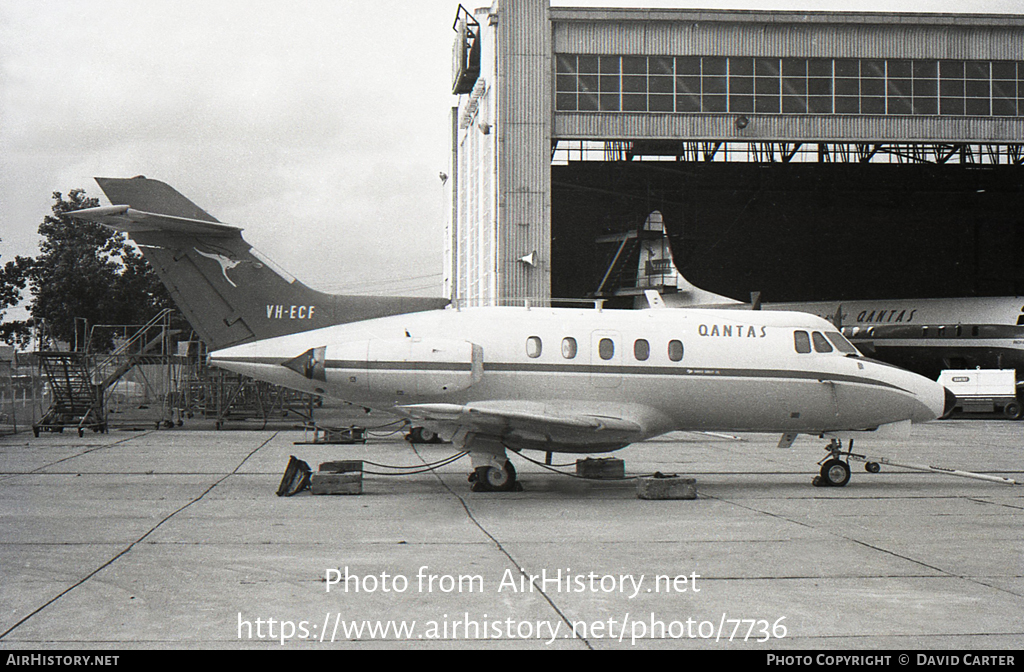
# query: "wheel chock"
332 483
660 486
601 468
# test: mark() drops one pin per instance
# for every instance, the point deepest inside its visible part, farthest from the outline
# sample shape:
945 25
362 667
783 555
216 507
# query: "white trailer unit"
984 391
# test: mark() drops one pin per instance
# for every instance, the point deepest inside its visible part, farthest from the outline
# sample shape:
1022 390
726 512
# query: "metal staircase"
76 401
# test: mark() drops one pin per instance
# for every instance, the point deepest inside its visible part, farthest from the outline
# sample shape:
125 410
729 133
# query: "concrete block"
666 487
605 467
327 483
342 466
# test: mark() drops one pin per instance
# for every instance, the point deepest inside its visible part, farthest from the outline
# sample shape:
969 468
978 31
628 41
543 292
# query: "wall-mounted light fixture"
742 122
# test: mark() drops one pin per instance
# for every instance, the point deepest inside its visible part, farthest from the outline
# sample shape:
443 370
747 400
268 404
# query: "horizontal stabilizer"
124 218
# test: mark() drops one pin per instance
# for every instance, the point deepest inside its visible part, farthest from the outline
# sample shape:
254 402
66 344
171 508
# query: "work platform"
176 539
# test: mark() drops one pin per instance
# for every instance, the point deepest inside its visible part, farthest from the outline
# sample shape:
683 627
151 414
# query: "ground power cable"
519 567
415 469
136 542
552 469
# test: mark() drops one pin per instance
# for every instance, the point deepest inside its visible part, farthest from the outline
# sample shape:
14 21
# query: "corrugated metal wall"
787 34
523 121
788 128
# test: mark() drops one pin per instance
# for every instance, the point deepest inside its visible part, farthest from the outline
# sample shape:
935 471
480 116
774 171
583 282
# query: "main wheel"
835 473
492 479
1012 410
422 435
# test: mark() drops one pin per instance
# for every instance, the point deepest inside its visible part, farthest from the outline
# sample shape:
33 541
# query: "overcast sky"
317 120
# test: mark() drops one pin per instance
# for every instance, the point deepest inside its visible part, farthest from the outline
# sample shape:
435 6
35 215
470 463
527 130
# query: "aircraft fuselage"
662 370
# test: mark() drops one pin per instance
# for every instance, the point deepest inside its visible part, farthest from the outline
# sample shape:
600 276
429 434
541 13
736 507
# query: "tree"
88 271
13 279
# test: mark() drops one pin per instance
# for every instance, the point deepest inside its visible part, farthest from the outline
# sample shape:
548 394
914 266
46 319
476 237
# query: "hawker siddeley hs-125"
492 379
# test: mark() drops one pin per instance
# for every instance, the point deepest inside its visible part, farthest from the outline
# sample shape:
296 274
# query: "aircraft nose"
950 403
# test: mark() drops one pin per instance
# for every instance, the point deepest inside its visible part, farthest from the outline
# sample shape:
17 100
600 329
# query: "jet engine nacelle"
406 367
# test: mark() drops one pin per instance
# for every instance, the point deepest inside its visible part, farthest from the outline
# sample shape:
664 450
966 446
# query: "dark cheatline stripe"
532 367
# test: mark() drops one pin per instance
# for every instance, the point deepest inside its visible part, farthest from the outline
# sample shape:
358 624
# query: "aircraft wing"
529 428
129 220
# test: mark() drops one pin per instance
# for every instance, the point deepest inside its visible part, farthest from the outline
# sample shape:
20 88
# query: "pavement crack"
504 551
71 457
137 541
871 546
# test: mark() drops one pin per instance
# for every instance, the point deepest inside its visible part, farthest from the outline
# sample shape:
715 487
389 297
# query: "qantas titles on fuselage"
730 331
881 316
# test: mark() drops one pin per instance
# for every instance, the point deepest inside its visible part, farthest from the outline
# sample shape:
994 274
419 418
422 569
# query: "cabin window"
569 348
820 343
803 341
606 349
842 345
534 347
675 350
641 350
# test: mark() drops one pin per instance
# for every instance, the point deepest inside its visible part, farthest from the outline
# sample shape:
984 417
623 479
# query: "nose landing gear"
834 471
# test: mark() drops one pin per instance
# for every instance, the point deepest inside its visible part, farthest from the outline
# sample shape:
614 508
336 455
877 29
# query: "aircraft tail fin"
657 270
228 291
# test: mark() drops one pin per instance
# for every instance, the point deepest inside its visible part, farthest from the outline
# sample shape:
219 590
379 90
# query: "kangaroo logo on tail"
226 263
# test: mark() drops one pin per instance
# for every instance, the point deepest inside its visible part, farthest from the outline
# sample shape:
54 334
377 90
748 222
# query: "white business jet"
494 379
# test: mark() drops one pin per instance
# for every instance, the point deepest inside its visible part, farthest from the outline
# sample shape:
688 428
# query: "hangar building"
806 155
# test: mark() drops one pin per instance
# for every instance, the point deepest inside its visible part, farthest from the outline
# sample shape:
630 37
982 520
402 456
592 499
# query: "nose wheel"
835 473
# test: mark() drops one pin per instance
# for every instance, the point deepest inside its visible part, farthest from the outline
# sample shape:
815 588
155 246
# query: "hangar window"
741 84
819 86
951 88
821 344
802 341
794 85
767 76
675 351
569 348
1004 88
714 84
925 87
641 350
771 85
534 347
978 88
610 83
688 73
899 93
606 349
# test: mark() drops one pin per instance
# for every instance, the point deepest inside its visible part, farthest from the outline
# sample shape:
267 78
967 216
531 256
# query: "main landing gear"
495 479
834 471
492 470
